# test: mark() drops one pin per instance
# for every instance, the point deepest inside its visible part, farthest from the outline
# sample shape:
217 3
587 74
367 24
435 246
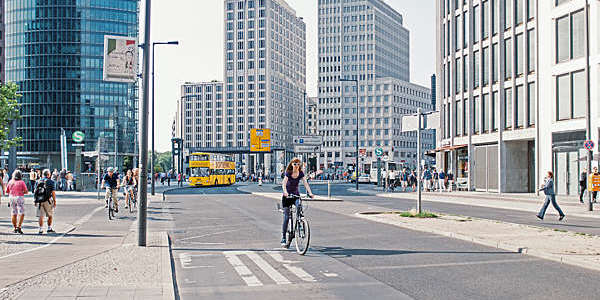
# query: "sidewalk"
519 202
92 258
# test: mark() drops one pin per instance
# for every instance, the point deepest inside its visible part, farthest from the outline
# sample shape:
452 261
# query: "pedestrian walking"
179 179
442 181
45 199
16 190
32 179
594 194
582 184
169 177
63 180
450 180
5 179
548 188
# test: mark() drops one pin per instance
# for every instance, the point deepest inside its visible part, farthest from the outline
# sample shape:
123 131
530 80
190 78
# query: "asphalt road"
225 245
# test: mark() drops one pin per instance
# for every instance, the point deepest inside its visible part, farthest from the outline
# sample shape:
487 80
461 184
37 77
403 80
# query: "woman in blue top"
293 176
548 188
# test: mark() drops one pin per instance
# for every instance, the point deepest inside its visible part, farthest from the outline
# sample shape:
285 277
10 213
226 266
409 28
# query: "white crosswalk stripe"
233 257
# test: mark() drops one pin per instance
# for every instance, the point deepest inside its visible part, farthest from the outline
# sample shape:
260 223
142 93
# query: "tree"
9 112
163 161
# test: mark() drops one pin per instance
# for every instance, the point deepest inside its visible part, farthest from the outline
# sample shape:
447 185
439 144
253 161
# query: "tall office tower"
265 74
362 40
514 85
312 113
54 52
203 123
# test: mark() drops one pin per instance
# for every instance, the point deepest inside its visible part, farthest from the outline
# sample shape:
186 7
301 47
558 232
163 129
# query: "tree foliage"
9 112
163 161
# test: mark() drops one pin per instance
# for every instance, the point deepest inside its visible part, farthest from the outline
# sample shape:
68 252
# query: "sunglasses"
296 164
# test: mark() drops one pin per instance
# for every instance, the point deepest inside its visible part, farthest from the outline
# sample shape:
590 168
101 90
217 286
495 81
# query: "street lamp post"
152 156
357 121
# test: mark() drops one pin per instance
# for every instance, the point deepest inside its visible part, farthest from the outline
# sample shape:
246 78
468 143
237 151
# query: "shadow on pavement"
347 252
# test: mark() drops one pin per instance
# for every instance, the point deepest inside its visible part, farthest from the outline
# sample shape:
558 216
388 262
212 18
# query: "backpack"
42 193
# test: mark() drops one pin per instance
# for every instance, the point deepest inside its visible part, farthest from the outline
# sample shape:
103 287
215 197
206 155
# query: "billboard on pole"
120 58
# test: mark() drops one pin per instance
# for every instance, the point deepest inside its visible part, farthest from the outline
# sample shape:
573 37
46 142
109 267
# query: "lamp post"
143 129
356 166
152 156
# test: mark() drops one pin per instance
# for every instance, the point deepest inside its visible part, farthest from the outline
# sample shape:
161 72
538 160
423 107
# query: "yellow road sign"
260 140
594 183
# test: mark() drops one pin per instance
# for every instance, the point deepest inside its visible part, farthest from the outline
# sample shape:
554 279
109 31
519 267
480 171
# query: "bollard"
329 189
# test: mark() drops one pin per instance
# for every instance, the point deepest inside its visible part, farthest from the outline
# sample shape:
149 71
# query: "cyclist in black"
293 176
111 183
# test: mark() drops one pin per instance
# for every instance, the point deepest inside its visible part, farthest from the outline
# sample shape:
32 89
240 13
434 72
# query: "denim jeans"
550 198
286 216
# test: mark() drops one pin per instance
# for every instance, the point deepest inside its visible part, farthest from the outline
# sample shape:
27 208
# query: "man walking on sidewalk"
582 184
548 188
45 198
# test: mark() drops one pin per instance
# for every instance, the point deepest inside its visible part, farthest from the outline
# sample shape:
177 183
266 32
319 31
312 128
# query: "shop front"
569 160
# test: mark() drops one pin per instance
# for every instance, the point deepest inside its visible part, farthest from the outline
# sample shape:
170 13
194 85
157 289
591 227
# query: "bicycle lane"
227 247
82 231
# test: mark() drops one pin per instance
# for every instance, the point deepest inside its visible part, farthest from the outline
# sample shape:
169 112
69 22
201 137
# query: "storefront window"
462 163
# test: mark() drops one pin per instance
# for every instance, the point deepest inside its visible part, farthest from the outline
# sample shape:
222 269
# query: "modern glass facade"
54 53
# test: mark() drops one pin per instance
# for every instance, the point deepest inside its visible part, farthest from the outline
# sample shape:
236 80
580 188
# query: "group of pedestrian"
64 179
44 197
583 180
431 179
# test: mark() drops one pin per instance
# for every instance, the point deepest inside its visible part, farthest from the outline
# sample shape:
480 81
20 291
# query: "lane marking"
242 270
287 264
199 243
458 264
267 268
208 234
330 274
79 222
186 261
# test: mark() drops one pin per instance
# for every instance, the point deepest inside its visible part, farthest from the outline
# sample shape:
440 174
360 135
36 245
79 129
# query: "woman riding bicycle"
293 176
129 182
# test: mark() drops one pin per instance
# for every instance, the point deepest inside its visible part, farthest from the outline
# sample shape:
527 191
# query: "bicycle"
298 227
111 210
130 196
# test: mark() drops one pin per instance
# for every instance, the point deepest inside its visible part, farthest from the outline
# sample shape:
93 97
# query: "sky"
198 26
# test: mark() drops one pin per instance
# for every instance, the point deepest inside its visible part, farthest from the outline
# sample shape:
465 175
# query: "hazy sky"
198 26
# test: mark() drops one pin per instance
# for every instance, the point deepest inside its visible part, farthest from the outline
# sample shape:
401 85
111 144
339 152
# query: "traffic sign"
308 140
307 149
589 145
260 140
379 152
78 136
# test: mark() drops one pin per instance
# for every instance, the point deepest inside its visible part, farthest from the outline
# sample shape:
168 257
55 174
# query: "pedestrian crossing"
255 268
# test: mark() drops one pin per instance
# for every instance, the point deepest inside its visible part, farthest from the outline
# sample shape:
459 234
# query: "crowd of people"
432 180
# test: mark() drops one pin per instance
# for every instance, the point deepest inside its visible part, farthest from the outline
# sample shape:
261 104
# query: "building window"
559 2
494 110
485 19
476 69
465 73
459 119
476 24
485 64
485 108
456 32
457 76
495 63
519 108
531 104
495 17
519 58
531 51
507 14
571 102
530 9
476 114
570 36
519 12
507 59
508 111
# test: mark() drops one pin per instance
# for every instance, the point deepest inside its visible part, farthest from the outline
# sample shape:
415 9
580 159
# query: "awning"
448 148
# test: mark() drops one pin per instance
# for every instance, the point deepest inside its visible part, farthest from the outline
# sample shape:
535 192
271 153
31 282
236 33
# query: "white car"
363 178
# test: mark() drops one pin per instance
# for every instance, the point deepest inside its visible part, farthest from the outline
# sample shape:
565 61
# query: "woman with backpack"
17 189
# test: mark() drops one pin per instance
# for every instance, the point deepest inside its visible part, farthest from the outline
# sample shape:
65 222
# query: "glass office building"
54 53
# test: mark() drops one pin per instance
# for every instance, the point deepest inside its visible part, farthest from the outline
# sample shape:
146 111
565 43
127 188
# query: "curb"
565 259
168 284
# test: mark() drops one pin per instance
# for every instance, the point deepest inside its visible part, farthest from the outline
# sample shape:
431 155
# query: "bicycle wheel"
110 212
302 236
130 203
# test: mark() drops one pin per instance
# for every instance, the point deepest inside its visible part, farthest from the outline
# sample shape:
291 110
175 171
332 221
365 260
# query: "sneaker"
41 231
283 242
561 217
105 205
15 230
539 217
50 230
19 230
